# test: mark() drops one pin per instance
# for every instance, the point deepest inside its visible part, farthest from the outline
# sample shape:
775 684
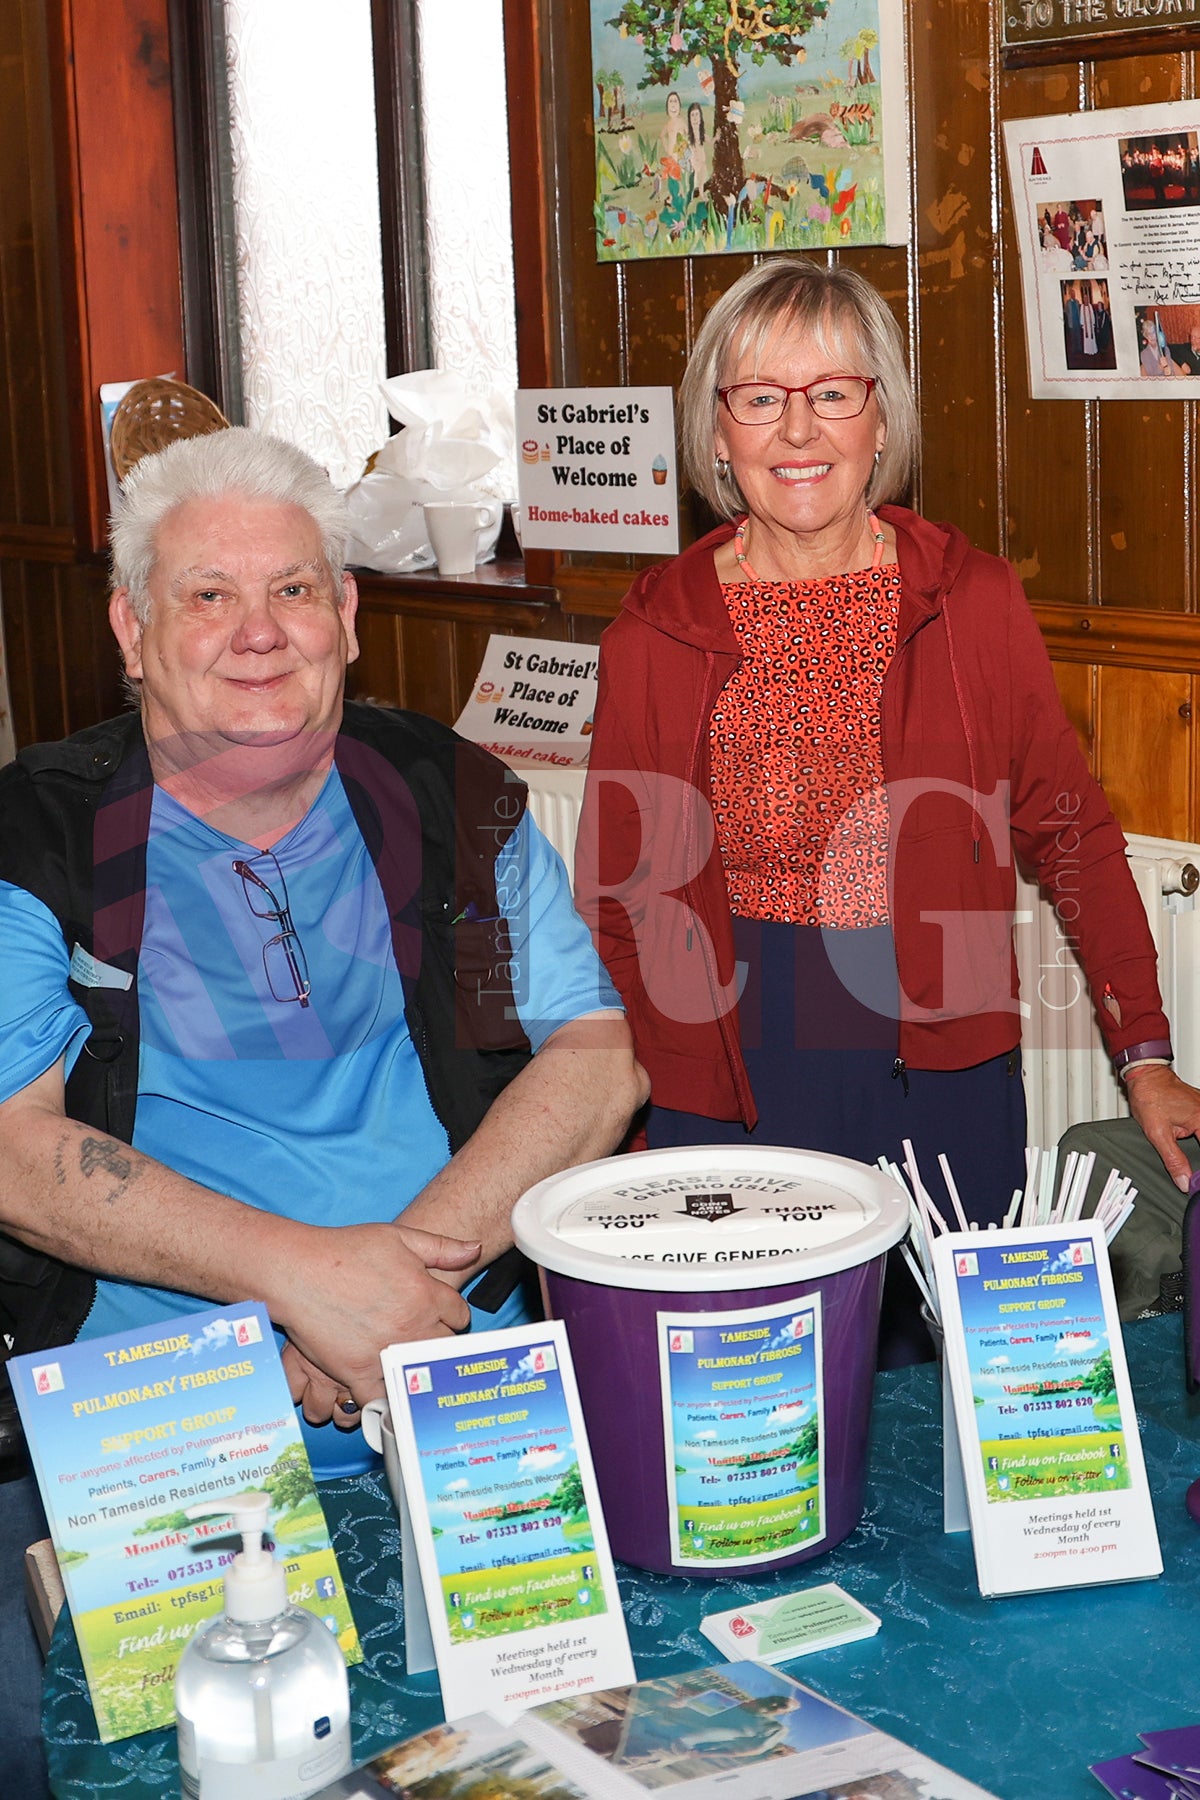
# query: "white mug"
377 1429
454 527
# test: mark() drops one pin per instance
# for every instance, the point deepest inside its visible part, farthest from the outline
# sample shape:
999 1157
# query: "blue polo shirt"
318 1112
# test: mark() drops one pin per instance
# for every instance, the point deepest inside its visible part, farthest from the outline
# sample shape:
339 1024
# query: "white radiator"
555 799
1068 1077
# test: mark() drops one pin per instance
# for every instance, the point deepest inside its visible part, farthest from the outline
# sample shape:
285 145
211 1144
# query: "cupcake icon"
658 468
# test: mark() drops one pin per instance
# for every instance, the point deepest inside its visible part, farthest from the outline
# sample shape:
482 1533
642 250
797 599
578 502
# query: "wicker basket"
153 414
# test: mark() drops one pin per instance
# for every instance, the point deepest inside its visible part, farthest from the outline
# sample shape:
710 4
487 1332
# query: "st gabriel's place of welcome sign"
596 469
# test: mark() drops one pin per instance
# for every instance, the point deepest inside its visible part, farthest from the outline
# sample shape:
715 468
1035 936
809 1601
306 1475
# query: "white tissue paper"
451 440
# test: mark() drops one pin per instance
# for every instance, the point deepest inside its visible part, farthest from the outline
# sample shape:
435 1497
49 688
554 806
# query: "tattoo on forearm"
103 1156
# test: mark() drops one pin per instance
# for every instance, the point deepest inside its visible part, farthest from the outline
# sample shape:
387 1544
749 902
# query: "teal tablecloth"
1019 1694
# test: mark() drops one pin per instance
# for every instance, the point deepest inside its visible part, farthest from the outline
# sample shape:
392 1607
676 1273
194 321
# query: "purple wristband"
1136 1053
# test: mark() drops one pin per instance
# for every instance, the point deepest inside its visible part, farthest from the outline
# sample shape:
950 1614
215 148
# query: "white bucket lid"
710 1218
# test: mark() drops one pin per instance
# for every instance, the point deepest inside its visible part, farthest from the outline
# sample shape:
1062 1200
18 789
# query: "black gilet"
434 812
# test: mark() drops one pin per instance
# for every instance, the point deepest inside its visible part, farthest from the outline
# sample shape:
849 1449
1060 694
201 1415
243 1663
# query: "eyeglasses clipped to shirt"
284 961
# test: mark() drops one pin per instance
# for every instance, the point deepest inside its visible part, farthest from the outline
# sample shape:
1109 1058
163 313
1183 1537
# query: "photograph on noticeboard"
1107 210
722 130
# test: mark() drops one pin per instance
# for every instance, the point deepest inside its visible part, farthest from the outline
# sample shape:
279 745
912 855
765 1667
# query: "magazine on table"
740 1727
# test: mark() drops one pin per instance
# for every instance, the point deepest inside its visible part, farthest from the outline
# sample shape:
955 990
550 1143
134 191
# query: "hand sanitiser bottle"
261 1697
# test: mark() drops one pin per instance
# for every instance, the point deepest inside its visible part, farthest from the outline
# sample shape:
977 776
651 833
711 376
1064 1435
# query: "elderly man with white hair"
295 1001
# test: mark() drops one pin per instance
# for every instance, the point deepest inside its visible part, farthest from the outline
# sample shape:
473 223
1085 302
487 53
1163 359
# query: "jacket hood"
682 598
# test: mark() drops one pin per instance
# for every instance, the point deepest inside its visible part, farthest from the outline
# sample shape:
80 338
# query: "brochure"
741 1727
742 1416
505 1516
126 1434
1052 1461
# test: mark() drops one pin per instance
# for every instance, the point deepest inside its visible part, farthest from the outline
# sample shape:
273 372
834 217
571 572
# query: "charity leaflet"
126 1433
534 700
742 1728
1052 1460
741 1398
1106 205
516 1575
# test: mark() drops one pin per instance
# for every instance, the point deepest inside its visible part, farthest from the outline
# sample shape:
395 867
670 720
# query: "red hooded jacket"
978 757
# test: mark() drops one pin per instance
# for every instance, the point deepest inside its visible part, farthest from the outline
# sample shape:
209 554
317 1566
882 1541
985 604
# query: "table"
1019 1694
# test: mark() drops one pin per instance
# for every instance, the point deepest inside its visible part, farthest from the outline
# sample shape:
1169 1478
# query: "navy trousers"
818 1018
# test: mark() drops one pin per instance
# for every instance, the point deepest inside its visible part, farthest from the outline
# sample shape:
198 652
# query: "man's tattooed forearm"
106 1157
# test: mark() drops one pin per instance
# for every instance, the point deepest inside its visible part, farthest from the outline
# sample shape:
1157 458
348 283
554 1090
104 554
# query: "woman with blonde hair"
822 731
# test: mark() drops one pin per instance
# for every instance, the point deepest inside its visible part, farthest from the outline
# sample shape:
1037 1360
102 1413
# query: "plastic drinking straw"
919 1188
1110 1231
1058 1210
952 1190
1079 1186
1112 1186
1046 1184
1032 1153
1011 1214
918 1277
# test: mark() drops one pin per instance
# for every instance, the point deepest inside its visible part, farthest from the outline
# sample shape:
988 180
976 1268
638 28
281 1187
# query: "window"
349 164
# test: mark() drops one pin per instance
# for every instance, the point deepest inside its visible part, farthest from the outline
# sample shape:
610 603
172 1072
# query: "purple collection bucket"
722 1305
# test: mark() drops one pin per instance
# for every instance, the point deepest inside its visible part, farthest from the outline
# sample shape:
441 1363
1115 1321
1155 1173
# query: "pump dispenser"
261 1697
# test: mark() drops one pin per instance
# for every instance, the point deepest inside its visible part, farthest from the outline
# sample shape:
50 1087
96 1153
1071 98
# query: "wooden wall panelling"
421 648
1077 690
119 235
377 675
429 665
34 479
1142 544
595 338
1046 444
1144 749
534 175
63 668
595 330
952 83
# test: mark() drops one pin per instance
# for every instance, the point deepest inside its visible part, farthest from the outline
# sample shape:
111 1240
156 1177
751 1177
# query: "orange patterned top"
797 768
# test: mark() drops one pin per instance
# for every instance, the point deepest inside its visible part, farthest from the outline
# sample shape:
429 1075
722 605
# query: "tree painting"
718 32
734 125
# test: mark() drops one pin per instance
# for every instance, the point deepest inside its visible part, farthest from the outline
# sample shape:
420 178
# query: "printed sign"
1107 211
534 700
515 1566
744 1439
1052 1460
1104 26
596 469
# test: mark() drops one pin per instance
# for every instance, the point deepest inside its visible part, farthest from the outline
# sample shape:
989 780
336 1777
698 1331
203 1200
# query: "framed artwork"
728 126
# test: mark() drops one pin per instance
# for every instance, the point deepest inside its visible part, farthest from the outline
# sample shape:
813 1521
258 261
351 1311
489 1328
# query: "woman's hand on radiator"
1167 1109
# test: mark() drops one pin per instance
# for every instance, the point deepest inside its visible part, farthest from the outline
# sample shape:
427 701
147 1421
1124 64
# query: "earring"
721 467
878 458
